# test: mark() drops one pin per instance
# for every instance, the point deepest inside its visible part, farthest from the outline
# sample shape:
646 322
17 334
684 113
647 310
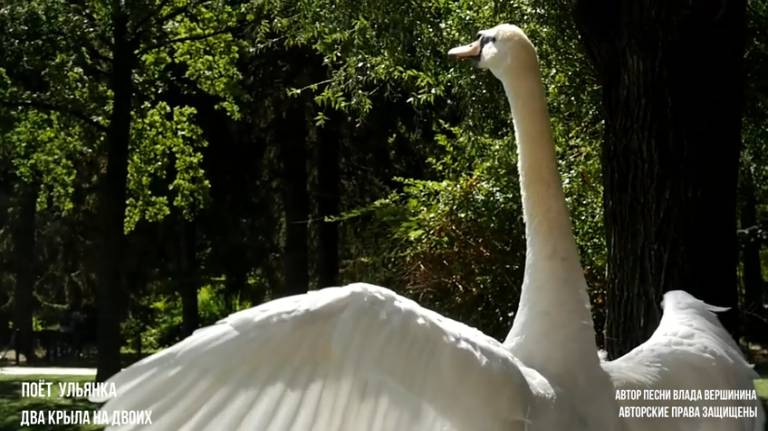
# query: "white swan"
689 350
554 314
361 357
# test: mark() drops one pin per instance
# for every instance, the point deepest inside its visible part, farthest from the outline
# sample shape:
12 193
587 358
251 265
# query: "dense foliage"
225 94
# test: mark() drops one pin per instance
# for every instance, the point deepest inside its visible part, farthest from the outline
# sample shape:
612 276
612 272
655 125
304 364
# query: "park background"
166 162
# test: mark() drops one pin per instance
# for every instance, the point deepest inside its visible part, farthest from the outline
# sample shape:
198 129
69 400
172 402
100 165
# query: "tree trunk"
752 272
671 74
24 262
188 278
295 199
328 205
112 191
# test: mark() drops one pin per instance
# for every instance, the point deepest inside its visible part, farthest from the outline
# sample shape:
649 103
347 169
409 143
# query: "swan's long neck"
554 306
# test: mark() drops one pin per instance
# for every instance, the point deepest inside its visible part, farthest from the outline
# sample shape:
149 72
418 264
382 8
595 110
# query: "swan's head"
503 50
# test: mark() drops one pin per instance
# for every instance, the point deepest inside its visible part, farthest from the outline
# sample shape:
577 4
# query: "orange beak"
467 51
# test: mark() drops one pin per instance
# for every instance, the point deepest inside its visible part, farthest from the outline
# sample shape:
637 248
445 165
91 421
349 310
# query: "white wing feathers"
689 350
352 358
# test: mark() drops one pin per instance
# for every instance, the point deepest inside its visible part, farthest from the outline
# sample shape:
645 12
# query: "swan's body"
363 358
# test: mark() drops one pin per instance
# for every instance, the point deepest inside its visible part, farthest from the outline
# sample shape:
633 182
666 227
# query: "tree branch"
95 70
95 53
148 17
184 39
80 7
180 10
143 24
83 9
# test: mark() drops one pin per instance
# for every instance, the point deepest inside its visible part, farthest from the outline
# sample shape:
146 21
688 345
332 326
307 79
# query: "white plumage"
361 357
358 357
691 351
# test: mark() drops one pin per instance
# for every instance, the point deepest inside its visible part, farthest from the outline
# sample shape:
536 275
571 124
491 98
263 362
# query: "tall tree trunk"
110 290
328 205
753 282
671 74
295 198
188 278
24 263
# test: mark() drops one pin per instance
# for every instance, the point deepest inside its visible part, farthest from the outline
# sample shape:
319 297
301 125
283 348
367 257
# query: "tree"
102 63
24 265
328 198
449 233
40 146
750 242
671 76
753 230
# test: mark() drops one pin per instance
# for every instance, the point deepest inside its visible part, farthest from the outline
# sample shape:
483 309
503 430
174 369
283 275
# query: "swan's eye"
484 39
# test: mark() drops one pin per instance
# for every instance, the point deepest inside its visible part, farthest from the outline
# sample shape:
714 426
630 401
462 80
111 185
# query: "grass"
762 390
12 404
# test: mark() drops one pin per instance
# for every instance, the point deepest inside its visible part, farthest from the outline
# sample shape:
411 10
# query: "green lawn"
12 404
762 390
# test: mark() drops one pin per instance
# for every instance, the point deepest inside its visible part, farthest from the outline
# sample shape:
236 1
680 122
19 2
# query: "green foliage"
753 175
212 306
458 230
375 47
755 129
42 147
462 237
157 317
199 38
165 137
64 53
428 181
156 320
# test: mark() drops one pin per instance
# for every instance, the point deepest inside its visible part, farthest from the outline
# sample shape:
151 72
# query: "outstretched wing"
349 358
690 351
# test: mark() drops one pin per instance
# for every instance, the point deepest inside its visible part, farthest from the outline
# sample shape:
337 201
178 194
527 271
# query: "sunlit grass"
762 388
12 404
762 391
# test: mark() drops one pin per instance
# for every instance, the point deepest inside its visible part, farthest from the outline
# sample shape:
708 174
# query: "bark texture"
752 273
328 178
188 279
110 292
671 75
24 263
295 200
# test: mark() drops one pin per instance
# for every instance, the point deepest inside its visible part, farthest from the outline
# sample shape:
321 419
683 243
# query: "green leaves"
58 77
43 147
203 41
164 140
459 243
457 240
372 75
